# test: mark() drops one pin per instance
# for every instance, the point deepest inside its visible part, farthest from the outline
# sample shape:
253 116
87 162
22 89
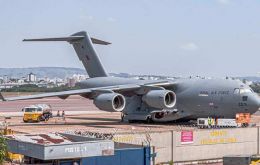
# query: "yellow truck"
37 113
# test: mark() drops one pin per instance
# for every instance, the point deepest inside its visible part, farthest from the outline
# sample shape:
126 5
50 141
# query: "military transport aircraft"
166 100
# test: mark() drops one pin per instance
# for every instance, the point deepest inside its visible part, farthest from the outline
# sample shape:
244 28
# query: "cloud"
189 46
223 2
111 19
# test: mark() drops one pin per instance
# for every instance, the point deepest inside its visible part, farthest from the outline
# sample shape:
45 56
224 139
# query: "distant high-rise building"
71 82
6 79
31 77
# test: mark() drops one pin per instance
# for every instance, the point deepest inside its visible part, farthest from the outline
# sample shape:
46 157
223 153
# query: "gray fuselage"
196 98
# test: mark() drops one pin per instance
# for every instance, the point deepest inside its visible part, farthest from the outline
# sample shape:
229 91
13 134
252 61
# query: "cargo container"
226 123
127 155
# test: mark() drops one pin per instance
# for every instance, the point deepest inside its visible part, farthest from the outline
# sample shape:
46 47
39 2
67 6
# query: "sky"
213 38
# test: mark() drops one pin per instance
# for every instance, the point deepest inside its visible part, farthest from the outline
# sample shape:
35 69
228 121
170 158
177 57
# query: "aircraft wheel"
39 119
245 125
149 120
46 117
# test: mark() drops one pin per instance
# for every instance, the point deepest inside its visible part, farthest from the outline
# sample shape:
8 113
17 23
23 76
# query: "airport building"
66 149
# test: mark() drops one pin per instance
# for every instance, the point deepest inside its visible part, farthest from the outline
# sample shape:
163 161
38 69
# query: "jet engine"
160 99
110 102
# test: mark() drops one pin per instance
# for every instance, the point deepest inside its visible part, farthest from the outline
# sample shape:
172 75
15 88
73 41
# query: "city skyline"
173 38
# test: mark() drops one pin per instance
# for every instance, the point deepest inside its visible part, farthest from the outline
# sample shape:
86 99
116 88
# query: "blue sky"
167 37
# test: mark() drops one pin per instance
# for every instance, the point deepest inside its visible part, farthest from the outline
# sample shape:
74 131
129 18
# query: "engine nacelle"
161 99
110 102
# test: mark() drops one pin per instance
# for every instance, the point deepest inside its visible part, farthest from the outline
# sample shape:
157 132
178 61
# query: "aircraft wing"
86 92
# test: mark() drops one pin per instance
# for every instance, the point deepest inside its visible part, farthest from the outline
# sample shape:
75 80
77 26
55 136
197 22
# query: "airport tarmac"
101 123
73 103
81 114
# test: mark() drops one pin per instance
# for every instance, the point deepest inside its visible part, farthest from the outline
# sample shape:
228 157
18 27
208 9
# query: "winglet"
2 97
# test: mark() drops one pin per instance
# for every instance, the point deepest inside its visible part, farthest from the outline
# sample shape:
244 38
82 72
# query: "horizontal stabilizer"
70 39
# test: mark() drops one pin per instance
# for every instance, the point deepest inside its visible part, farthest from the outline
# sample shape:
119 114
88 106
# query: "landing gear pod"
110 102
161 99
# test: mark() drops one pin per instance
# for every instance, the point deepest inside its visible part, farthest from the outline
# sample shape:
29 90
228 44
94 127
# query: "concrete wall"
161 140
206 144
163 146
216 143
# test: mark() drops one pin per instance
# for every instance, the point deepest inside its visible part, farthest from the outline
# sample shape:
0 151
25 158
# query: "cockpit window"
245 90
236 91
242 90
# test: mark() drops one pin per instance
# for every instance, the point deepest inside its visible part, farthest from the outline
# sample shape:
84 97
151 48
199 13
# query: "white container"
226 123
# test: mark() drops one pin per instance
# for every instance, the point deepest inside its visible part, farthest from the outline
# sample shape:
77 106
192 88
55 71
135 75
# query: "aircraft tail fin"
83 45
